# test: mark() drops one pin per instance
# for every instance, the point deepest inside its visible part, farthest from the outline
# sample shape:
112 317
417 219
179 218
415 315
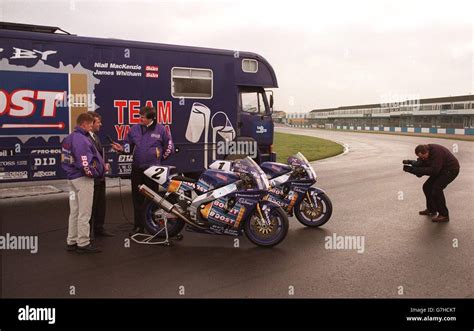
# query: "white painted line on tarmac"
347 149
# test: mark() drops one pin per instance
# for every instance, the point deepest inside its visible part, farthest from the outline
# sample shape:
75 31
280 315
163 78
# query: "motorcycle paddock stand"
147 239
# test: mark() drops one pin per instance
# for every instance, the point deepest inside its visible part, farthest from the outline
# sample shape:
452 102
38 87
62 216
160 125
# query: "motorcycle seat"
185 179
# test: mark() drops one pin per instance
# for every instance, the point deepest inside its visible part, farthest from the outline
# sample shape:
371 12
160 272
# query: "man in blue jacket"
82 163
151 143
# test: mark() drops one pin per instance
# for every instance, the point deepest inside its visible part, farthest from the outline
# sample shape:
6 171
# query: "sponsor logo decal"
46 151
13 175
125 158
261 129
40 174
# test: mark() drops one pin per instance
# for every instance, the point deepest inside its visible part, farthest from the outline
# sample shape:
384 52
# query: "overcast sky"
325 53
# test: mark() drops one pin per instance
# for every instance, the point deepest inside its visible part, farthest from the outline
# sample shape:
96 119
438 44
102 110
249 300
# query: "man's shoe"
88 249
103 233
440 219
135 231
71 248
427 212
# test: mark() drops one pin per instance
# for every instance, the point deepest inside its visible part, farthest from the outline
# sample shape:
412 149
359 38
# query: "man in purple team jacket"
82 163
151 143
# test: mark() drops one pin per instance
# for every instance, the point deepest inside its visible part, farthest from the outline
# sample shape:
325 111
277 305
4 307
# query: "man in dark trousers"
99 202
442 166
151 143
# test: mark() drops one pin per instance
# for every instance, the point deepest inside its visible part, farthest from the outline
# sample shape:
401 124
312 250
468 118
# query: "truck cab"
255 121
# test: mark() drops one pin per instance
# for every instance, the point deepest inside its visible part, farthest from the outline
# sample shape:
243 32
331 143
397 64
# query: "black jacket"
440 161
98 144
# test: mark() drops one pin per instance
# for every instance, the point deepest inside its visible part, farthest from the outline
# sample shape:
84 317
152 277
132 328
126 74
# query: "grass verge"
286 144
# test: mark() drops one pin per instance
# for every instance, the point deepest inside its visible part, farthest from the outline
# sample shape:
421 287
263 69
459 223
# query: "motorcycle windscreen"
249 166
300 160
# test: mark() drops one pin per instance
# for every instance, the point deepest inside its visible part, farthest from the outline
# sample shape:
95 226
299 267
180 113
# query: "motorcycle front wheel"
267 235
313 215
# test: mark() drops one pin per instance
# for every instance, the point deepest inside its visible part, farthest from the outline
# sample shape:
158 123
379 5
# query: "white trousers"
81 196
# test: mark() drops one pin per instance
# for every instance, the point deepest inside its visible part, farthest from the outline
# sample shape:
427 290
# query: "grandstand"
448 115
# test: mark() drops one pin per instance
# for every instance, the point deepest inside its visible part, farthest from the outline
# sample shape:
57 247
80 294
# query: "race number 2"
158 174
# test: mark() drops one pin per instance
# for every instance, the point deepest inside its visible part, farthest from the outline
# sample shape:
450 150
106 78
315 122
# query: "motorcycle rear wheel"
154 223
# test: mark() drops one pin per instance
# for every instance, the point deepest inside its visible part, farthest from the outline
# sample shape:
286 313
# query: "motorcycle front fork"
312 198
313 202
262 220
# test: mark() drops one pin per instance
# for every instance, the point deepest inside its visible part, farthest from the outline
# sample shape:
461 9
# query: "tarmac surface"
404 255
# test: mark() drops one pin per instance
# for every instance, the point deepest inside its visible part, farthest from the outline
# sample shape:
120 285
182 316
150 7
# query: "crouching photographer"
442 167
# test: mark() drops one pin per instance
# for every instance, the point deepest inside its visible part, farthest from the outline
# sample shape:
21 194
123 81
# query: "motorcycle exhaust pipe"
165 205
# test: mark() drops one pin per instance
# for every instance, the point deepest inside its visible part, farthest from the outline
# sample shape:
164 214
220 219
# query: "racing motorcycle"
291 188
219 202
